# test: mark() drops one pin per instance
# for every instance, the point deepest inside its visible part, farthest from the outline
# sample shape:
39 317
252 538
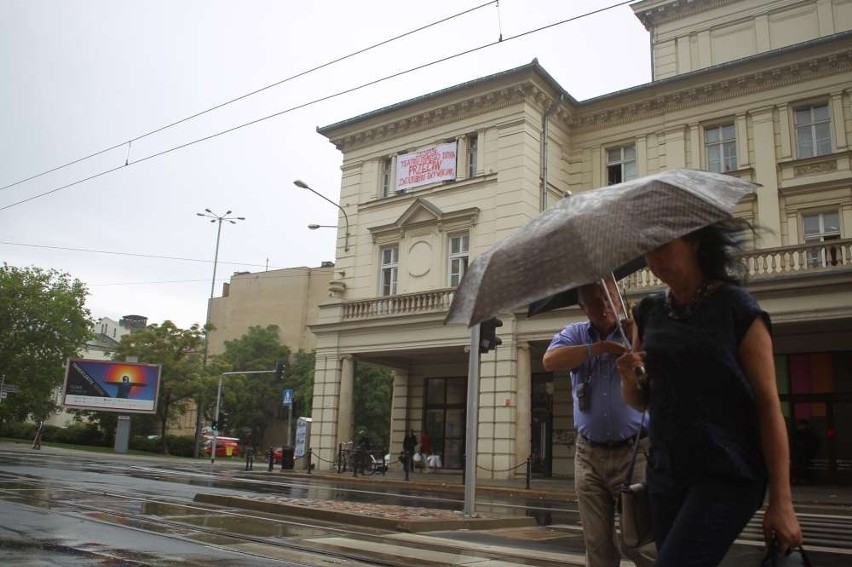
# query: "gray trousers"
598 474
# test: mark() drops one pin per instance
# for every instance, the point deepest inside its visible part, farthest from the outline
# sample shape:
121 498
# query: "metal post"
529 470
216 419
472 434
308 455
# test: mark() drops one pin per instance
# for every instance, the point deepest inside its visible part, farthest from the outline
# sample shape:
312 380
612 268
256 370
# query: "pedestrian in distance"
717 432
427 450
409 444
607 427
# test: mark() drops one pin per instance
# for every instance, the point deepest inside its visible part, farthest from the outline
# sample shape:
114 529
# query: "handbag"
794 558
636 527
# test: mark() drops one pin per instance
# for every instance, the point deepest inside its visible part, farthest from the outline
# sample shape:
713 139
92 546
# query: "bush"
18 430
181 446
79 434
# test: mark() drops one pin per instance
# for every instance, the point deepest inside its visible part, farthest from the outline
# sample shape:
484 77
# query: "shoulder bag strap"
629 480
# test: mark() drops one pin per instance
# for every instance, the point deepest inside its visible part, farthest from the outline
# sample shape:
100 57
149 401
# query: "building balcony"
767 267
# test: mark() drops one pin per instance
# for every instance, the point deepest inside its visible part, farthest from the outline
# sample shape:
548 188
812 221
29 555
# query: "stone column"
399 411
523 404
345 400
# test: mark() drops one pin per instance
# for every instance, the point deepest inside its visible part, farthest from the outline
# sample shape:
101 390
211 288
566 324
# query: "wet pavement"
523 535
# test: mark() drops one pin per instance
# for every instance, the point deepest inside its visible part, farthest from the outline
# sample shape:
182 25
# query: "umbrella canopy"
570 296
587 236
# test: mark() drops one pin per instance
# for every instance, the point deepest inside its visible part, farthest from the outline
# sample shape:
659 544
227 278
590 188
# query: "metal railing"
812 258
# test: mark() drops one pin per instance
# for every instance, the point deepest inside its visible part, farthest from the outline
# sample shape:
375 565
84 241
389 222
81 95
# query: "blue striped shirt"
609 419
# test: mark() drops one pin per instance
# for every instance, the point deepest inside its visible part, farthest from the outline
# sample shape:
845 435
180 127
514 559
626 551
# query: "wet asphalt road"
59 507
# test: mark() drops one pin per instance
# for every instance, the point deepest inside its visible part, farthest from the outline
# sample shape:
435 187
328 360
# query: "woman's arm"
759 365
633 393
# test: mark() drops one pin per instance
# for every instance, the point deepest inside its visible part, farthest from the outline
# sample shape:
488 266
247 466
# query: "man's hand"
609 347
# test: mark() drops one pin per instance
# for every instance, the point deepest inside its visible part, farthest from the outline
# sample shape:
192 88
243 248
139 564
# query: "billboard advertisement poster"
105 385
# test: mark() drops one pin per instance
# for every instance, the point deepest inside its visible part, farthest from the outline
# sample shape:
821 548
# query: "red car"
225 446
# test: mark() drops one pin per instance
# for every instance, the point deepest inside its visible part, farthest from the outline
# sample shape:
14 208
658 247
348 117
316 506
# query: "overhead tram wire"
325 98
246 95
135 255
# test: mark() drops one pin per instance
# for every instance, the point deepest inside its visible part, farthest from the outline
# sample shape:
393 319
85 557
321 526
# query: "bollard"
354 458
308 456
529 470
271 456
282 456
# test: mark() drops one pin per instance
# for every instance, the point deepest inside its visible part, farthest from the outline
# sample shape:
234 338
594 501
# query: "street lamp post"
301 184
216 218
213 218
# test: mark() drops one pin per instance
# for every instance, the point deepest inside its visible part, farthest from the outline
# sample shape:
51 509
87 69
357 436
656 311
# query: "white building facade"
758 89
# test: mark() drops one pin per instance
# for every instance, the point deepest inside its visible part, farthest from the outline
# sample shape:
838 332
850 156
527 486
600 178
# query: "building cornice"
527 91
688 91
655 12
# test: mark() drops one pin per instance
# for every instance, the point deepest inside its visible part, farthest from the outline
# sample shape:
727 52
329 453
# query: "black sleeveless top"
703 416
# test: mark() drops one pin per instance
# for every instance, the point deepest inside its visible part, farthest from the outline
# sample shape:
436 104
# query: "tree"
43 322
179 352
373 391
250 401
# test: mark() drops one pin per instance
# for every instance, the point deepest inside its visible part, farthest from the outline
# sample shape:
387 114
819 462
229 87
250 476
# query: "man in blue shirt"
606 426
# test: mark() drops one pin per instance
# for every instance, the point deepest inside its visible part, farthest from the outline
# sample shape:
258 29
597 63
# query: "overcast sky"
80 76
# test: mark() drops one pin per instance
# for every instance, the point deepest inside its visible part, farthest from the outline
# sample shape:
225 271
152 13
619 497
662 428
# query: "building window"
620 164
459 246
720 145
813 131
390 268
472 149
387 177
821 227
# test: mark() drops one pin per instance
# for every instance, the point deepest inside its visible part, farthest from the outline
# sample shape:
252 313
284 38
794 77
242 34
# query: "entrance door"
542 424
821 441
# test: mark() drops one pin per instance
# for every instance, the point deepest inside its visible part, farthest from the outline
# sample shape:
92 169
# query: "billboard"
105 385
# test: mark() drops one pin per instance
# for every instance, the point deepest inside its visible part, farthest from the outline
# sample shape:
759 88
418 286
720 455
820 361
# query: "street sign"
287 397
9 388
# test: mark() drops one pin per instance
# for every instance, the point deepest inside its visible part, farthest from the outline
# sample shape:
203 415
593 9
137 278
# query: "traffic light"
279 370
221 423
215 425
488 339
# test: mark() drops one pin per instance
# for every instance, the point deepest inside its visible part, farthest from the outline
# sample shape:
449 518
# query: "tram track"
330 544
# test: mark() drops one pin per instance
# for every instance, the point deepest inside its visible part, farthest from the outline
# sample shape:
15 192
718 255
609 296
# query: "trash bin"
287 458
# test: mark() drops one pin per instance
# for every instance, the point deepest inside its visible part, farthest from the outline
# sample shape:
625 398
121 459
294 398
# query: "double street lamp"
217 218
302 185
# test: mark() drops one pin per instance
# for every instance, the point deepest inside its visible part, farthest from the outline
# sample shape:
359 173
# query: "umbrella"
586 237
570 296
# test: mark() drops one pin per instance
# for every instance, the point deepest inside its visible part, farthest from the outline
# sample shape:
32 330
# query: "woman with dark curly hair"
717 433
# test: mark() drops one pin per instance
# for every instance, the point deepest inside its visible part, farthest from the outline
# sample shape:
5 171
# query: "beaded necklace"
681 312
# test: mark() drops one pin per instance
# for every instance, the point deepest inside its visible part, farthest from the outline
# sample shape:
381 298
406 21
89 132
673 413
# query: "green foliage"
301 379
179 445
179 353
373 391
78 434
249 401
43 322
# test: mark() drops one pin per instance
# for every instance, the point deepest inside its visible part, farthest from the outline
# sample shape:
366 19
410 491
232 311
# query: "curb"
365 519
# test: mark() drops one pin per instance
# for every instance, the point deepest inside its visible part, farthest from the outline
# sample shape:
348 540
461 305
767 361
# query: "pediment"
422 214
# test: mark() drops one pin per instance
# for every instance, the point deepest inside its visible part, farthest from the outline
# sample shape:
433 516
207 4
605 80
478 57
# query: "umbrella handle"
641 376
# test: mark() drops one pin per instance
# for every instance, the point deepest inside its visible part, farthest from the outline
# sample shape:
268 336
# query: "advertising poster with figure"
104 385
